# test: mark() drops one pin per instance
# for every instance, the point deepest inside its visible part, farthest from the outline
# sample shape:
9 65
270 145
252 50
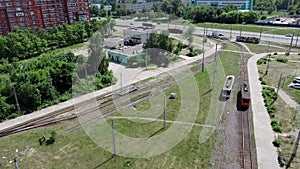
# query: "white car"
289 35
296 80
294 85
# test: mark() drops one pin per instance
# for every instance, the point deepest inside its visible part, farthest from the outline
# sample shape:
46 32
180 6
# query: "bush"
275 53
287 54
282 59
274 123
261 61
52 138
277 129
276 143
263 81
298 53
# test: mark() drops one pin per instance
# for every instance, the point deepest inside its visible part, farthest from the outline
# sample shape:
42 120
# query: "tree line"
54 76
43 81
228 14
22 44
293 7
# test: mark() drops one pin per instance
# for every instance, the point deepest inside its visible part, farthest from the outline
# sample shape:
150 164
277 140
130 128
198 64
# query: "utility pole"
165 112
113 137
291 44
241 30
203 50
268 60
294 151
297 40
52 88
17 101
278 85
260 32
215 67
230 31
16 163
121 80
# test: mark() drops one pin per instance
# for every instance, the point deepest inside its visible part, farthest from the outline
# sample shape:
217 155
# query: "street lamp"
216 50
203 49
268 58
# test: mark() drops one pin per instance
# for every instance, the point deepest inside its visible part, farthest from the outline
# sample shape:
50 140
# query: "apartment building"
240 4
41 13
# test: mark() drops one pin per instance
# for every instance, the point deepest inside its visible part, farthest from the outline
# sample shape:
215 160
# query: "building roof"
112 42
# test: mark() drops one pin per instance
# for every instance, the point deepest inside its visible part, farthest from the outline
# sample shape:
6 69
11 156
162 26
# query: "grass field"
78 150
256 48
250 28
288 118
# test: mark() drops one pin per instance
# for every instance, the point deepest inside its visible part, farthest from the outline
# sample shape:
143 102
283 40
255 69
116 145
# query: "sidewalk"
128 76
264 135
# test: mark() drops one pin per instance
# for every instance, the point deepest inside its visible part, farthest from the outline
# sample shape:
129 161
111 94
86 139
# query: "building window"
8 4
11 19
20 14
22 19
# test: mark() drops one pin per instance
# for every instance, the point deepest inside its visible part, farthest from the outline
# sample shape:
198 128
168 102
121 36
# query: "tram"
245 98
227 88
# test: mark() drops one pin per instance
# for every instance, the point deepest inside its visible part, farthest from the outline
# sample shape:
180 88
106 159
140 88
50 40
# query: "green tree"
97 60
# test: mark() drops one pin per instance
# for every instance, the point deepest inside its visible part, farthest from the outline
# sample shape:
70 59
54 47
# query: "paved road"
264 135
199 31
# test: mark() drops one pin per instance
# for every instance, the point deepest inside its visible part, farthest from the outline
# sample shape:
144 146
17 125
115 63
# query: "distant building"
139 6
41 13
240 4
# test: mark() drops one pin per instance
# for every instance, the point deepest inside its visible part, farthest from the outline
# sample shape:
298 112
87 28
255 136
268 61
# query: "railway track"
106 102
247 161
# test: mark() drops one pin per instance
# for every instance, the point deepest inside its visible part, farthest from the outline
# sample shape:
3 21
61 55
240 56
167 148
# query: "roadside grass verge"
257 48
288 119
249 28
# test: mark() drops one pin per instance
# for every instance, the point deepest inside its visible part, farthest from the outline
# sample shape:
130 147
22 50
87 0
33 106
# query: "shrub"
261 61
263 81
282 59
298 53
52 138
274 123
275 53
287 54
277 129
276 143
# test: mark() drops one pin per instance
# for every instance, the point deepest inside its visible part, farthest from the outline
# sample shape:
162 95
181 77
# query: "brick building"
41 13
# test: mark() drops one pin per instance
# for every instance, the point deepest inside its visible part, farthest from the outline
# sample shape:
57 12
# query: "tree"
97 61
189 35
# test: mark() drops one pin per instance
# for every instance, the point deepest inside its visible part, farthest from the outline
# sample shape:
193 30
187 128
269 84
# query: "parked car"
296 80
294 85
289 35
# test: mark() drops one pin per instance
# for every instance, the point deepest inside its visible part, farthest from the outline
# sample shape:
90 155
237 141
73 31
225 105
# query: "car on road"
296 80
294 85
289 35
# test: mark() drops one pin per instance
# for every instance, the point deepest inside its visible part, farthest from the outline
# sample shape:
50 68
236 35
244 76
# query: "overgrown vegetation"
263 81
30 85
282 59
262 61
276 143
270 97
22 44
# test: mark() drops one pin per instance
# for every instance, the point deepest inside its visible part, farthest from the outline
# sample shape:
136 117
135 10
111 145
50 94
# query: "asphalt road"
199 31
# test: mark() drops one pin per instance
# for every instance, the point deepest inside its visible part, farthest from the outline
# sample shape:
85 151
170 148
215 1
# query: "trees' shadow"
104 162
153 134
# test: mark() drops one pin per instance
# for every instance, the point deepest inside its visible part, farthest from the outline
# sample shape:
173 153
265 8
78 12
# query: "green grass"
256 48
249 28
288 118
77 150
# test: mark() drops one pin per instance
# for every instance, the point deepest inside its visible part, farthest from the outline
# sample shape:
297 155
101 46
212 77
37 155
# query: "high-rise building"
240 4
41 13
